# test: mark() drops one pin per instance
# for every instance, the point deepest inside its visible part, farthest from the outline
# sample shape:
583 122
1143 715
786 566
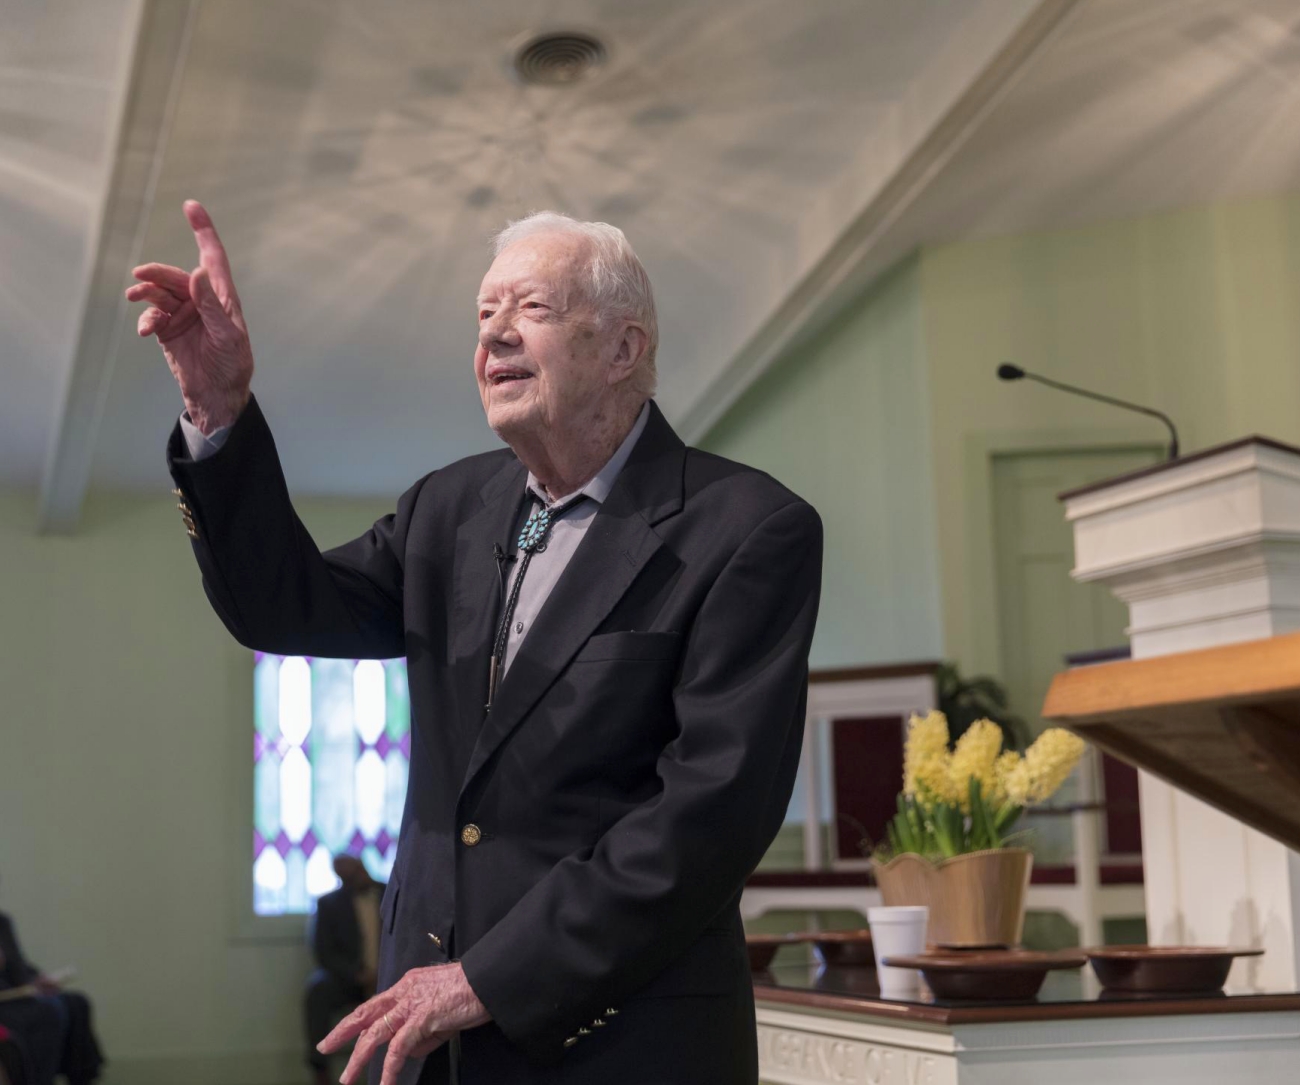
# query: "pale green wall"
887 421
1194 311
127 726
844 423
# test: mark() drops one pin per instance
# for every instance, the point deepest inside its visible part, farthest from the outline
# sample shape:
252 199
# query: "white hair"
619 285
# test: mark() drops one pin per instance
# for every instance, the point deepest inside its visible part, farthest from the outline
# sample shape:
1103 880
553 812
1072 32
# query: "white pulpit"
1205 551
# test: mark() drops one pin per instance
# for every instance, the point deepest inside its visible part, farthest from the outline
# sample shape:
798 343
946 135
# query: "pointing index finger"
212 254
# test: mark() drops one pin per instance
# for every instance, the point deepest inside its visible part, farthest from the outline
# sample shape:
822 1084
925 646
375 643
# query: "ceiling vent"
557 59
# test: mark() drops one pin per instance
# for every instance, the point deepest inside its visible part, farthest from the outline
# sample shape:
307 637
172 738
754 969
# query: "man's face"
543 359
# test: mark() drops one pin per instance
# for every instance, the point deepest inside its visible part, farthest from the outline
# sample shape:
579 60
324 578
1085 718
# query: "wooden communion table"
831 1026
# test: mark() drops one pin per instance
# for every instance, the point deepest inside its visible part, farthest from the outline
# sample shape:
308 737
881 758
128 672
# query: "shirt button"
470 835
519 627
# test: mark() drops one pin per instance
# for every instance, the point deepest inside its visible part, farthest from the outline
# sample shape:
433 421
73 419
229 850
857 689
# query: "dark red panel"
866 776
1123 817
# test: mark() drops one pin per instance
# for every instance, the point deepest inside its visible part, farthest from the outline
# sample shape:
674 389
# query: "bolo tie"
532 540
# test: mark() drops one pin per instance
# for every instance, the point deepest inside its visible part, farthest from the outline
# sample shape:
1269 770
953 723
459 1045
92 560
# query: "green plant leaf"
1006 817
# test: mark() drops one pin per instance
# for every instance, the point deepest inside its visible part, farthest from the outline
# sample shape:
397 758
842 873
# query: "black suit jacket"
636 764
336 935
15 970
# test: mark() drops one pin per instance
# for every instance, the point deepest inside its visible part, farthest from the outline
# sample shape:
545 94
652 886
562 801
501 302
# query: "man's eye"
534 305
483 314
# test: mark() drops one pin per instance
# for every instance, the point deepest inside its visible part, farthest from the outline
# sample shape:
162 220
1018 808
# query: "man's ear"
631 349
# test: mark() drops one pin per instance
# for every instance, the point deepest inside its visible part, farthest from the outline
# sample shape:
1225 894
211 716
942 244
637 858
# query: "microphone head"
1009 372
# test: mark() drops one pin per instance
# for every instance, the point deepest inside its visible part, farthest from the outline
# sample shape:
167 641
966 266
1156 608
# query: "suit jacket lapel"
617 546
477 590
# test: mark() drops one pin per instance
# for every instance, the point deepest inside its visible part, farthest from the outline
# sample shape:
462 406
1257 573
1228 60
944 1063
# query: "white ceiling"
62 63
357 159
1140 105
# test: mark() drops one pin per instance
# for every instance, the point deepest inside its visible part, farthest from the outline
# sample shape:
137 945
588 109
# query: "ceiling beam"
857 255
148 87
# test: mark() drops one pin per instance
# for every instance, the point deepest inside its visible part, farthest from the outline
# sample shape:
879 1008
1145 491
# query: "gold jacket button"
471 835
570 1041
436 940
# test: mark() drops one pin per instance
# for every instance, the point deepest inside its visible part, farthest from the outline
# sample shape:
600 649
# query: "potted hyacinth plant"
951 844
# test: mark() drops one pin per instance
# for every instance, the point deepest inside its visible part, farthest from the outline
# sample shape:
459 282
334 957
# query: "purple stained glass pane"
309 843
383 746
283 844
356 844
259 747
382 841
259 843
405 745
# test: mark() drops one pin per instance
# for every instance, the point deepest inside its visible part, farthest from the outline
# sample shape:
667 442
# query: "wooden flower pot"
975 900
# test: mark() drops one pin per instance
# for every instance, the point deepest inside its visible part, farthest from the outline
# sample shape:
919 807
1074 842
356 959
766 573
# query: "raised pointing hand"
197 320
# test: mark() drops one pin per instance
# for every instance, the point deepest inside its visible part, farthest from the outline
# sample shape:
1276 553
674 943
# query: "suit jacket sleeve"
599 927
263 574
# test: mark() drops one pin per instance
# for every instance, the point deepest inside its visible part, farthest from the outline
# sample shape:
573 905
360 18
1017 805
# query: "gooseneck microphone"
1009 372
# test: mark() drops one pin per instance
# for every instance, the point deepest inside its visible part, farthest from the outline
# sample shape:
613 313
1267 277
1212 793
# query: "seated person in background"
15 1066
52 1024
345 941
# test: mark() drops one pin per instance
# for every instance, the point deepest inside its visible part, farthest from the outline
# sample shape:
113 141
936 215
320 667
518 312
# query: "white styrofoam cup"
897 932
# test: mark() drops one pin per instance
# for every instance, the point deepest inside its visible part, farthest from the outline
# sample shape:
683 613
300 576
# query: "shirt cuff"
202 445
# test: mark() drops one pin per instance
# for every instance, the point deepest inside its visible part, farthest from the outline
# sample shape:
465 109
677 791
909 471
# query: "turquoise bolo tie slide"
532 538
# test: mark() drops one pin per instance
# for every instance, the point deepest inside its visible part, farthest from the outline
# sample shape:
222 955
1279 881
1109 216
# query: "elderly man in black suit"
345 943
607 636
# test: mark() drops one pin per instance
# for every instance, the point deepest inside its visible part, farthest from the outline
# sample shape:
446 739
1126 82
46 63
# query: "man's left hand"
414 1017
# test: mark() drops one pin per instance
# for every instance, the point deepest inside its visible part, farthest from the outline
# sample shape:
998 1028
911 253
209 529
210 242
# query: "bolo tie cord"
532 540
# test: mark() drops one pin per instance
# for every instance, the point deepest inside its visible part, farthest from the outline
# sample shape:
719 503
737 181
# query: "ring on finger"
391 1031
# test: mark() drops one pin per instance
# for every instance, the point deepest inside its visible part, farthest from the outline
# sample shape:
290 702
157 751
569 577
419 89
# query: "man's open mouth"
506 377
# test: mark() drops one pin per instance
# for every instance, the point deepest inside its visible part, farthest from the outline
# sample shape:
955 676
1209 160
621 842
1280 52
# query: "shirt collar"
598 488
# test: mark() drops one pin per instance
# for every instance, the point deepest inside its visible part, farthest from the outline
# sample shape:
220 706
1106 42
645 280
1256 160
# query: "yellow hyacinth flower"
1017 781
925 759
1010 780
1049 761
974 758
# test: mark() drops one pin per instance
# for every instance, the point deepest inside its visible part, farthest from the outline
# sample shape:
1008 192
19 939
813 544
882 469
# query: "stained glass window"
331 754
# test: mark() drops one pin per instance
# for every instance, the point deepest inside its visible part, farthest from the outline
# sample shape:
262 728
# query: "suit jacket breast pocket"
648 647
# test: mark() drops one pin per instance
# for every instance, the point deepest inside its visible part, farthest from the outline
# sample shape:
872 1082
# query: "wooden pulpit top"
1221 723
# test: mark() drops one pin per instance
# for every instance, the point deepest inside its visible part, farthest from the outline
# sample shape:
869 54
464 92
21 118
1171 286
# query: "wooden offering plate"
987 975
1165 969
844 949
